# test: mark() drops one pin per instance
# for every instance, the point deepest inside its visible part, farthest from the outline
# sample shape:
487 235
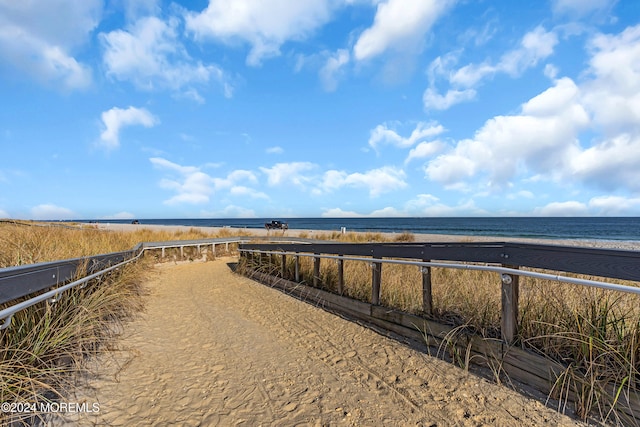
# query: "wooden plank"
340 276
283 266
612 263
376 282
427 297
316 270
20 281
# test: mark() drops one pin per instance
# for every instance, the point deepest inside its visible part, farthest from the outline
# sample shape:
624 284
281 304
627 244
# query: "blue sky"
287 108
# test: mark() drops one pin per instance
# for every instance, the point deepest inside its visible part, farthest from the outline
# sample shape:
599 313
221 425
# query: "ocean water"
581 228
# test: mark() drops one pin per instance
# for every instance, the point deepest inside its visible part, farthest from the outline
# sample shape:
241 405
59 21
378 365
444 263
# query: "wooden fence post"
510 295
427 298
283 268
297 267
263 259
340 275
376 280
316 270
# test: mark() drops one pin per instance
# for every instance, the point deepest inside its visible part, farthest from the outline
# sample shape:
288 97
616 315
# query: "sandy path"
214 348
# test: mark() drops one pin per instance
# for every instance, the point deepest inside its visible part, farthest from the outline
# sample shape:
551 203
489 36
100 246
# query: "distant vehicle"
135 221
276 225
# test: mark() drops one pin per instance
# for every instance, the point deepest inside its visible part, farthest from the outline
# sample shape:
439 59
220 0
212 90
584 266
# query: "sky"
319 108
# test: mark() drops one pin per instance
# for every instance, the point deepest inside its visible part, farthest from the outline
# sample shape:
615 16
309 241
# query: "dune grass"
595 333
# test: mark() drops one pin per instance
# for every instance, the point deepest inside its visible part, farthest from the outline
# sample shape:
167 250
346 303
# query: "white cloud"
610 165
432 100
230 211
563 209
543 139
377 181
579 8
382 134
4 214
120 215
423 150
191 185
51 212
614 93
264 24
283 173
339 213
522 194
233 178
151 56
38 38
431 206
135 9
398 25
615 205
242 191
613 98
535 46
275 150
196 187
117 118
333 69
387 212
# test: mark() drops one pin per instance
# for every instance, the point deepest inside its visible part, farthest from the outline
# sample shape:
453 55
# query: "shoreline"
436 238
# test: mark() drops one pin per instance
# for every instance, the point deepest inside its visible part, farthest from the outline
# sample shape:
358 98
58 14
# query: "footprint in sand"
290 407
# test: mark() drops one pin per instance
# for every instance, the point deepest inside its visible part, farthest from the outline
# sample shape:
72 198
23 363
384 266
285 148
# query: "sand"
214 348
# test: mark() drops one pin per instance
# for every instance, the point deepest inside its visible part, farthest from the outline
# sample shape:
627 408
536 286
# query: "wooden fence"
505 258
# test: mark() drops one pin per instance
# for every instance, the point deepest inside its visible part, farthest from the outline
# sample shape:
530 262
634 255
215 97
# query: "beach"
214 348
312 234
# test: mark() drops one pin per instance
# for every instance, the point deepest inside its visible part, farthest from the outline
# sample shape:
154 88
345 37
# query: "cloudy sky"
288 108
